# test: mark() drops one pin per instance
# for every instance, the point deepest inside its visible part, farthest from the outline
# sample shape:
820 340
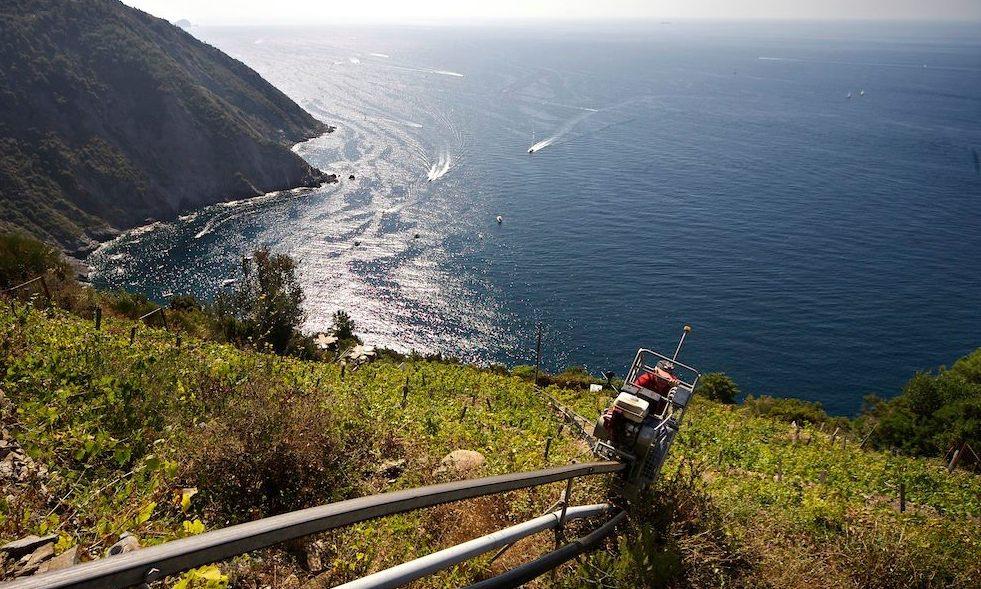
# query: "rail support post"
132 335
565 503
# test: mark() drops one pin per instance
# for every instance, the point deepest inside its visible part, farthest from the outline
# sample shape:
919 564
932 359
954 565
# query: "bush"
676 537
23 258
129 305
718 387
270 451
266 309
787 409
184 303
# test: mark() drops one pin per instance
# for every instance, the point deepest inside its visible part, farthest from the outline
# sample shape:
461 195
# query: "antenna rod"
680 343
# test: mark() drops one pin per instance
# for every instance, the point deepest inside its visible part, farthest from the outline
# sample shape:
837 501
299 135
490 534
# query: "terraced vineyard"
162 441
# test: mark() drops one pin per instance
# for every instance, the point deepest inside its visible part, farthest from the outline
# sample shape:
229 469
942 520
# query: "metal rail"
536 568
23 284
13 289
405 573
158 311
150 564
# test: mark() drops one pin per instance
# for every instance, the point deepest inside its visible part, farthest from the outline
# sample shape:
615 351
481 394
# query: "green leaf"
145 513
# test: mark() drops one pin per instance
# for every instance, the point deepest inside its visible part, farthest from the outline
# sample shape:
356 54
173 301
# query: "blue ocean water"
806 196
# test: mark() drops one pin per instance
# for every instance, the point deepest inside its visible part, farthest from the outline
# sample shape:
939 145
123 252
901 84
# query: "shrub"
129 305
718 387
271 451
184 303
787 409
23 258
676 537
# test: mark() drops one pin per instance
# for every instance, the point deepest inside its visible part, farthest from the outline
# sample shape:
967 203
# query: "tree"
718 387
266 308
344 327
936 411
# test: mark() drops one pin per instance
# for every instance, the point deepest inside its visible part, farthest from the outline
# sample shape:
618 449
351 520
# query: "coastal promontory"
110 117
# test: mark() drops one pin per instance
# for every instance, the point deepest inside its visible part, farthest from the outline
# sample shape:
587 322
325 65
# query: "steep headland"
110 117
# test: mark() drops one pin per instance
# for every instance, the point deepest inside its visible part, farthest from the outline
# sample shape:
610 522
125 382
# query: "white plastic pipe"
437 561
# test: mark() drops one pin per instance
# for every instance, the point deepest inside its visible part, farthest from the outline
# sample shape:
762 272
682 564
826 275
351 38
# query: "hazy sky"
309 11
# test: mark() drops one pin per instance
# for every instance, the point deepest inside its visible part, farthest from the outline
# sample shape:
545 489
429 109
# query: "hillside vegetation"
109 116
164 441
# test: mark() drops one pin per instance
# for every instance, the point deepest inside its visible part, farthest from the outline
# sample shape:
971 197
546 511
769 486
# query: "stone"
461 461
64 560
127 543
27 545
7 467
29 563
311 558
391 469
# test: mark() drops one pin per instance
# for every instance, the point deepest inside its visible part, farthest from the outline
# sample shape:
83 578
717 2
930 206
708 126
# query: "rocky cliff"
110 117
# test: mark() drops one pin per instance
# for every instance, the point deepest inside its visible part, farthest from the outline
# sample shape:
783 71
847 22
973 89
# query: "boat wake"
565 132
542 144
440 168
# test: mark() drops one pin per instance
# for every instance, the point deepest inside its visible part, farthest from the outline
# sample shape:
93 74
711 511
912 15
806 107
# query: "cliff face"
109 116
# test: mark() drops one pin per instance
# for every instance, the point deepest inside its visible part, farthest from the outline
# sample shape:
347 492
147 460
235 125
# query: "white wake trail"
542 144
440 168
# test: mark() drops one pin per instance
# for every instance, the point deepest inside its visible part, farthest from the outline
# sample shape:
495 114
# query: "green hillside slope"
109 116
165 441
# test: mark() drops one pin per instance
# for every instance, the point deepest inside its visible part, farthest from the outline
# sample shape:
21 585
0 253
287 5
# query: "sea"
807 196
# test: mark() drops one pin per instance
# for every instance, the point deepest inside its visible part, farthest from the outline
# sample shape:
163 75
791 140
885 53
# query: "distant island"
183 23
110 118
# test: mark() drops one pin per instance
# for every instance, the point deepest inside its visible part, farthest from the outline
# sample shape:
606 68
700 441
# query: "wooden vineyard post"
538 353
956 458
47 293
98 318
